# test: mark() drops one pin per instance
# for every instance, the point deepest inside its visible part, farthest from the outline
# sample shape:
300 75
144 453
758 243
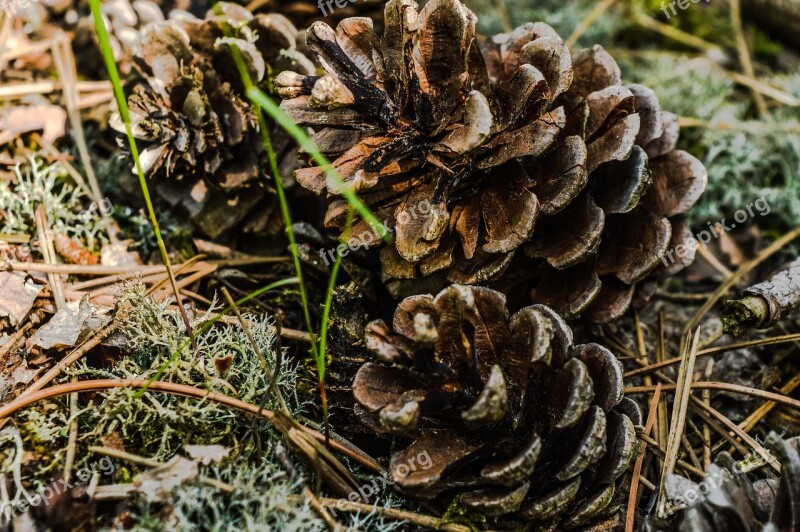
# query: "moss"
69 210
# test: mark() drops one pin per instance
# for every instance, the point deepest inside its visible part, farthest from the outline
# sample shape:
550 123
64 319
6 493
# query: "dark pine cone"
477 154
514 421
200 135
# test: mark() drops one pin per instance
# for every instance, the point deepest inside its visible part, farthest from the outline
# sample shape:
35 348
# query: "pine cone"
514 420
196 125
124 22
727 499
476 155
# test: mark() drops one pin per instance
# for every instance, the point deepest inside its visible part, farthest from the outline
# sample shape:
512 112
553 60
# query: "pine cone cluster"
513 420
199 132
506 161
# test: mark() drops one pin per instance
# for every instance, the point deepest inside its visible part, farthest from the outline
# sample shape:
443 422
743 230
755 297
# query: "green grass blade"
300 136
282 199
322 360
122 104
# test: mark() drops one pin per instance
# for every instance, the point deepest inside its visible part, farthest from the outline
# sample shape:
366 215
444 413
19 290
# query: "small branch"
744 54
743 270
30 397
587 22
765 303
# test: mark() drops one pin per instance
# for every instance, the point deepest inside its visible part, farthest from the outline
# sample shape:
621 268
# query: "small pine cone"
124 22
510 163
502 414
198 129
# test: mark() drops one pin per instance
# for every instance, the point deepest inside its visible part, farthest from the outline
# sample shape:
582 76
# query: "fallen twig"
765 303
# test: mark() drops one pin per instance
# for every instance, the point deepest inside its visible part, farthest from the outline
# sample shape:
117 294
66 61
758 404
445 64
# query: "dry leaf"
68 326
50 119
18 296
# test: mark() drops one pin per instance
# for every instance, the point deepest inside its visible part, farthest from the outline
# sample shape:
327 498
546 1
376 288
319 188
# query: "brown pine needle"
637 468
723 387
679 411
714 350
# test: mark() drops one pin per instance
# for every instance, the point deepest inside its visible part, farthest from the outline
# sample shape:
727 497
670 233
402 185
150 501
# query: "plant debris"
392 265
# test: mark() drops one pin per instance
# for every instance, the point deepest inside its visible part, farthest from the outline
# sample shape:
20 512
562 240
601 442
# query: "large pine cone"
195 123
511 418
475 154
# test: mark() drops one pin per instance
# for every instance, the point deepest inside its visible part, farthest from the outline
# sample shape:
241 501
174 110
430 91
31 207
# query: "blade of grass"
244 74
278 115
122 104
323 332
263 103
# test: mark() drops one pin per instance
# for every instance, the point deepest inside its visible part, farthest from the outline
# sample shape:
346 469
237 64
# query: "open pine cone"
476 155
514 420
199 132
